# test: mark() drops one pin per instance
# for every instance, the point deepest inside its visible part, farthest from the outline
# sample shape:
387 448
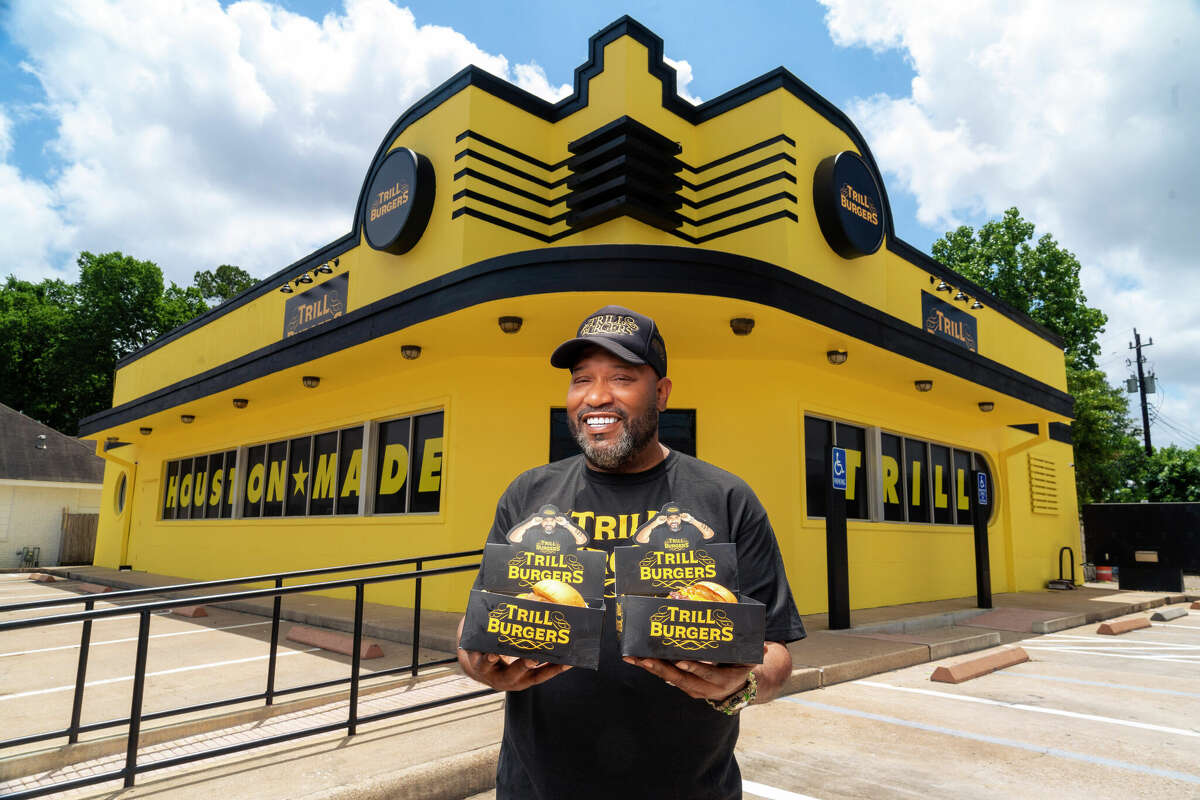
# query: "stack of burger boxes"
542 596
677 598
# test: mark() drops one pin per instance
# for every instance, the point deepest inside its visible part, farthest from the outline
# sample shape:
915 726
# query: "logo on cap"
609 325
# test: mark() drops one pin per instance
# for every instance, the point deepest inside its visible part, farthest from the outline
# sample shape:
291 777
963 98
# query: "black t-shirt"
619 731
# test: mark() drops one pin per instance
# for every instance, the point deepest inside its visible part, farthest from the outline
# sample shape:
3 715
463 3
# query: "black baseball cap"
628 335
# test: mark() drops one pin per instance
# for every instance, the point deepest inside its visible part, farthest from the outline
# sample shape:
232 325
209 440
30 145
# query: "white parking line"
1185 660
1109 642
152 674
771 792
132 639
1101 684
7 597
1058 712
977 737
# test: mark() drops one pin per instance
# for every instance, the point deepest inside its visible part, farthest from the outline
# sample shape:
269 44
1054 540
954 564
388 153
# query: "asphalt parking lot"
1088 716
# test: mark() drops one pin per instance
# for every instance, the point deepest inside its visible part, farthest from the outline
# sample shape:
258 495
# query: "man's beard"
614 454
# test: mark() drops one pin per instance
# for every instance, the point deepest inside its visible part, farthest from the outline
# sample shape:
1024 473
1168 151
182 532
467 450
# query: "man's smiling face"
612 410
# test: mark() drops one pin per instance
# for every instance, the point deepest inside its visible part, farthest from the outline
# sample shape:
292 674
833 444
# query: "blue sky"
172 129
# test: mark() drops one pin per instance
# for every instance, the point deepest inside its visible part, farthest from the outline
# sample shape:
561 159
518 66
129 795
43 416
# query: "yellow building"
371 401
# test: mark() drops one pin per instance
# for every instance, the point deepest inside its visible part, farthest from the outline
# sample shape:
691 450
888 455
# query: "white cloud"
1084 116
683 78
186 132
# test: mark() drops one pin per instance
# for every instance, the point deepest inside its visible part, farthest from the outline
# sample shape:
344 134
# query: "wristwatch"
738 700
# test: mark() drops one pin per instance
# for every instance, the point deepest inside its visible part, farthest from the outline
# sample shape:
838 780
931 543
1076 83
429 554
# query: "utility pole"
1137 346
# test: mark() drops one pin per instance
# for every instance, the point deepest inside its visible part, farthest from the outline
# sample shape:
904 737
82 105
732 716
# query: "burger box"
497 621
653 625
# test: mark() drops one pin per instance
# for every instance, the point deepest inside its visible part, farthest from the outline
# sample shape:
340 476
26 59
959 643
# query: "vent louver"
624 169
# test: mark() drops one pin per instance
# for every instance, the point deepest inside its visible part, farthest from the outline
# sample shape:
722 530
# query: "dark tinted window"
916 480
276 480
962 487
425 483
324 474
349 470
214 483
228 484
299 477
256 481
391 467
892 471
171 491
854 440
817 439
943 484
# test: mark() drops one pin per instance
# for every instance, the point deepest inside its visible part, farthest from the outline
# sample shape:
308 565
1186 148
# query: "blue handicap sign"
983 492
839 469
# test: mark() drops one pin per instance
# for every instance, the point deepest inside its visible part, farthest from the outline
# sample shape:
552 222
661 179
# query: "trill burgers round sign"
399 201
849 205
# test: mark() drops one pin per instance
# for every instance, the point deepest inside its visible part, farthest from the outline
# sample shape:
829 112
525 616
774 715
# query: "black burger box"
653 625
498 621
513 626
514 570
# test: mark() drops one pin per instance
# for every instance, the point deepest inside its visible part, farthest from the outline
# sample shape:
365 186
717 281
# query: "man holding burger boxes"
635 727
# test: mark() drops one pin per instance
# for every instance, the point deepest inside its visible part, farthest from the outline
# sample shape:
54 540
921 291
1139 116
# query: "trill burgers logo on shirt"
528 629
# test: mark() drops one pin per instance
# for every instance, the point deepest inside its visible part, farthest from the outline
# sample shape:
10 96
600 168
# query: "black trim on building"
1059 431
633 268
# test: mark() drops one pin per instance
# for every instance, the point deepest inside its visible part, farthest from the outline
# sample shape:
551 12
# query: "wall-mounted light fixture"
943 286
240 402
411 351
836 356
145 431
923 385
39 442
187 419
310 381
324 269
977 305
741 326
286 289
305 278
510 324
961 295
986 405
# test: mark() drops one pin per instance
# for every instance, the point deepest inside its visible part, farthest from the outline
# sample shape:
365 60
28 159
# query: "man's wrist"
741 698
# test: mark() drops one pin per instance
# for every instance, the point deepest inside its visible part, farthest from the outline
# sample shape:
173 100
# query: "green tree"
1170 475
1042 280
60 342
223 283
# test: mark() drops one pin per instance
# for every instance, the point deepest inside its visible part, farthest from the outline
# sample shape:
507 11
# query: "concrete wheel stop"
1122 626
979 666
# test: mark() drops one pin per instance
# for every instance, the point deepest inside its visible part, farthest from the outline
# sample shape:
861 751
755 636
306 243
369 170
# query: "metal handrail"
145 609
274 576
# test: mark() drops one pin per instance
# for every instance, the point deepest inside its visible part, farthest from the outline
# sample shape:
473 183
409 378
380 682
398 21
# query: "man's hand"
706 681
505 675
697 679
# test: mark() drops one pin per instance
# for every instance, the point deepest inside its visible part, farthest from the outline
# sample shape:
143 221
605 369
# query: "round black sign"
399 201
849 205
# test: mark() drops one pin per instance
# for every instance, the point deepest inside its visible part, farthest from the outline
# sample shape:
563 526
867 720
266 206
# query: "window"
919 481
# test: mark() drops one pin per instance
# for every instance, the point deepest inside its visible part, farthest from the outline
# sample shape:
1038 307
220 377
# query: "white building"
44 474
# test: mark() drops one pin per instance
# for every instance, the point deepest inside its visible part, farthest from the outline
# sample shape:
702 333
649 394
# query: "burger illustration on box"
677 595
542 595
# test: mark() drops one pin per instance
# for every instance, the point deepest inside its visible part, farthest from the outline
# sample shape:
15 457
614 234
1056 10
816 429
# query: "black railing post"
135 708
85 641
274 642
416 634
356 658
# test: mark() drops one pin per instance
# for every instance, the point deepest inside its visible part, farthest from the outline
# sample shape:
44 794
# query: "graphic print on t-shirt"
548 531
673 528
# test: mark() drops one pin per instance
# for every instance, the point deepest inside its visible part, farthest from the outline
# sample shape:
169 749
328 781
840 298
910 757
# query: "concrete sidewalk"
450 752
